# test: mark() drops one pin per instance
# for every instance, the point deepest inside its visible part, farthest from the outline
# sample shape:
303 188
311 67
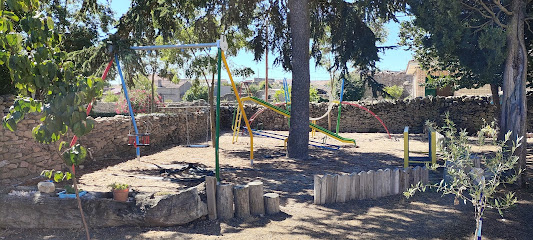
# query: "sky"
391 60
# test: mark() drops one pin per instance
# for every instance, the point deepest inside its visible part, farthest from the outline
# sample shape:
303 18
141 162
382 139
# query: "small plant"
479 186
119 186
59 176
488 130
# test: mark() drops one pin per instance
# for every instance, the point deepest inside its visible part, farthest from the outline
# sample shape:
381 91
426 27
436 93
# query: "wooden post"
406 182
317 188
241 195
331 186
378 183
362 185
354 186
257 203
416 175
210 190
370 184
395 179
271 203
342 187
424 175
387 182
323 190
224 201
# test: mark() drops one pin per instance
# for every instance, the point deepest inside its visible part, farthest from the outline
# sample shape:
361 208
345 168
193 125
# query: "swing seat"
144 139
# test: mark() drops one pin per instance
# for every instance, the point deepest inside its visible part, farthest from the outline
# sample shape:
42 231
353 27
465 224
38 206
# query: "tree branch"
492 14
501 7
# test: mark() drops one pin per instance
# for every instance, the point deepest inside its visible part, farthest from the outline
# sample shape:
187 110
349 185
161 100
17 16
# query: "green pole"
219 70
340 107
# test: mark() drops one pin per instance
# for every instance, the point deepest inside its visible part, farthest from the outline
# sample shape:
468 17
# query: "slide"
287 114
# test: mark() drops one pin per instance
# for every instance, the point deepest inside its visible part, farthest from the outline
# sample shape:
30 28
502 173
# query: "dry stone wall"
466 112
22 158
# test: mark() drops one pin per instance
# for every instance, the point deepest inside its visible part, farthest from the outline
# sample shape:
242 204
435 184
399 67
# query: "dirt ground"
426 216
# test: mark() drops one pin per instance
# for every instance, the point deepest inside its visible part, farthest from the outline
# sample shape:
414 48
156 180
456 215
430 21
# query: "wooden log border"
333 188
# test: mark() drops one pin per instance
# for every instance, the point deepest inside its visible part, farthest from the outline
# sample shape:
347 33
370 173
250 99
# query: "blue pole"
138 150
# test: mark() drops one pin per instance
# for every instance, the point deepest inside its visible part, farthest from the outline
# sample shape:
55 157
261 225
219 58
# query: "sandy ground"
426 216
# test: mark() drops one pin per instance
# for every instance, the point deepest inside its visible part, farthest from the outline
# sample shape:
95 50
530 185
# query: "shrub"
476 185
395 92
110 97
140 102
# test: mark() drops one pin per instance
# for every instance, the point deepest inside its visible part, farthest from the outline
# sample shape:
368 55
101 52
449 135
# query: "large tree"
346 23
487 38
345 27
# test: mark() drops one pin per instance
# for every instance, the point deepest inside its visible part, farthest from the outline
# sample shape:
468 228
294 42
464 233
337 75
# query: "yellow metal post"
313 131
406 147
241 107
433 147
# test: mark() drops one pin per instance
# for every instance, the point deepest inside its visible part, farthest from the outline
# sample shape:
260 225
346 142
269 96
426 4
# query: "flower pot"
121 195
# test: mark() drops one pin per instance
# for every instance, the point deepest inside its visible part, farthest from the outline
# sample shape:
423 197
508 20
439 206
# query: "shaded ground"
426 216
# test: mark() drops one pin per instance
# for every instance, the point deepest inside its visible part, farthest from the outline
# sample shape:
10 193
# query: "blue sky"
393 60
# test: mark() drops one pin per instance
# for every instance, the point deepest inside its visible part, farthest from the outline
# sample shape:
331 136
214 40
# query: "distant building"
420 77
170 91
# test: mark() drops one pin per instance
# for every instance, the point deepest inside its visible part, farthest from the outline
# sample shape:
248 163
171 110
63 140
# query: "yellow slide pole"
242 109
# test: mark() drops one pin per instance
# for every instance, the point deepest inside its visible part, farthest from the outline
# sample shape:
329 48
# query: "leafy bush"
110 97
140 102
395 92
477 185
196 92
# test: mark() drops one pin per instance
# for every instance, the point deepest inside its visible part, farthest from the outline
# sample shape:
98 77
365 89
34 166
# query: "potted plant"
120 191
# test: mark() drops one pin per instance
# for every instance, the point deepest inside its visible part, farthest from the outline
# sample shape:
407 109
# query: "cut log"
369 186
386 182
257 203
271 203
224 201
210 190
395 181
424 175
241 194
317 189
362 185
354 186
378 183
342 187
331 186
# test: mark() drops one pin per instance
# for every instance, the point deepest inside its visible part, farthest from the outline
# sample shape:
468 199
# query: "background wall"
22 158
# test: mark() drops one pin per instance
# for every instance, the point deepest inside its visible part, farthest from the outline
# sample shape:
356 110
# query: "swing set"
137 139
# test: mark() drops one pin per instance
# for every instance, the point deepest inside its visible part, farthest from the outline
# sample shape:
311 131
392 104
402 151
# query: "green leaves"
74 155
58 176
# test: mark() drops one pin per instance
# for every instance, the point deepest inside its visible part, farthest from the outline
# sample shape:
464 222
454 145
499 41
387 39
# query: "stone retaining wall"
22 158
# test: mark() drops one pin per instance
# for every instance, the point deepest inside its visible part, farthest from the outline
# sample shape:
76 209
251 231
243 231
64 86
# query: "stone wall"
22 158
466 112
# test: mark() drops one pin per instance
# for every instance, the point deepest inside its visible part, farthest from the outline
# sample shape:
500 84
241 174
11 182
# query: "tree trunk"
212 108
299 129
496 99
513 114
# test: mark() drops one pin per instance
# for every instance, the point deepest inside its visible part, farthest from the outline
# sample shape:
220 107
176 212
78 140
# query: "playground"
426 216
